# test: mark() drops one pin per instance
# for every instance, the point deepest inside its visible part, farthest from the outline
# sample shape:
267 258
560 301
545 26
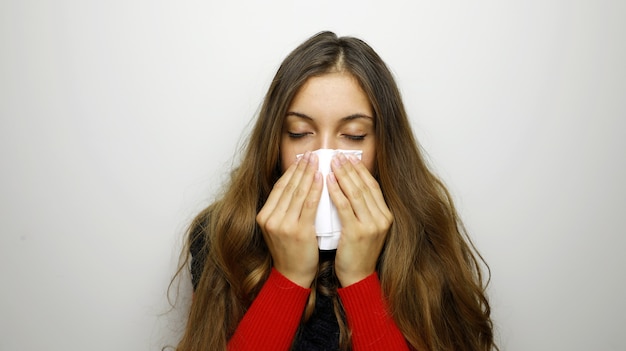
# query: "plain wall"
120 120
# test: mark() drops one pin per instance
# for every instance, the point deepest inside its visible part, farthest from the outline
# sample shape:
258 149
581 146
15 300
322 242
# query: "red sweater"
275 314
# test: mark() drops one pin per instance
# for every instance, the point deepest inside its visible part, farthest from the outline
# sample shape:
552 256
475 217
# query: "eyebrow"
344 119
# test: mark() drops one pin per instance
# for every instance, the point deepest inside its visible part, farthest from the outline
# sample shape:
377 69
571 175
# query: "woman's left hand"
364 215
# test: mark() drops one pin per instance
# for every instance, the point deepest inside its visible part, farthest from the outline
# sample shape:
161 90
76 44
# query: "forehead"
335 95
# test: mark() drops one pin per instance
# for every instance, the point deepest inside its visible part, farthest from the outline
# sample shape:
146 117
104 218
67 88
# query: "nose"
327 141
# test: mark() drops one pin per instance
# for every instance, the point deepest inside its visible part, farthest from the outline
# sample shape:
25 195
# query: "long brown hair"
429 270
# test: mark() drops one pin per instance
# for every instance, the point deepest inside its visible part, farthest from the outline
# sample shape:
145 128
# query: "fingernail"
353 159
343 158
336 161
331 177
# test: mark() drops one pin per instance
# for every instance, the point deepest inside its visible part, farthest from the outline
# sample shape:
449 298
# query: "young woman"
404 275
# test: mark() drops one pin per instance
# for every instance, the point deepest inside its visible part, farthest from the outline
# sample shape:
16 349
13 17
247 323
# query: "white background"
120 120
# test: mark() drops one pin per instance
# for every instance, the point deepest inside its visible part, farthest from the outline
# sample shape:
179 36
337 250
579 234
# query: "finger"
342 203
288 190
277 191
354 189
309 208
371 183
302 189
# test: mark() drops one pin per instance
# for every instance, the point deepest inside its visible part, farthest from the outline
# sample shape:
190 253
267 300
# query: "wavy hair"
429 270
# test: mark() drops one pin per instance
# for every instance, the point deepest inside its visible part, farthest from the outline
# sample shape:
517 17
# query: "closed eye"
298 135
355 137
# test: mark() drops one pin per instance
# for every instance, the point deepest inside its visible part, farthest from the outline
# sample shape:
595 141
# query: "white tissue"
327 224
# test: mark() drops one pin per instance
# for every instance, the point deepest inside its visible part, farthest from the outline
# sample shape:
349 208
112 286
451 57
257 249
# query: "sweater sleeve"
273 318
372 326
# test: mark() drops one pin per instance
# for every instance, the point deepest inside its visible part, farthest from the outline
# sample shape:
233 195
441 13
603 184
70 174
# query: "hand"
287 221
364 216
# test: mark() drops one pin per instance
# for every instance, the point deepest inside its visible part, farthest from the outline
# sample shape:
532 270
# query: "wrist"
348 278
301 279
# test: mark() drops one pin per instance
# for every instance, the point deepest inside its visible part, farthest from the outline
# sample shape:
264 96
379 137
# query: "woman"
404 275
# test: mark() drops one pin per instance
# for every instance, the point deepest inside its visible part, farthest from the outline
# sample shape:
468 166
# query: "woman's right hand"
287 221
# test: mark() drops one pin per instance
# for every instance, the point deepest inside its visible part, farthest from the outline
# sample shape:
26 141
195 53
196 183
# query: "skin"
329 111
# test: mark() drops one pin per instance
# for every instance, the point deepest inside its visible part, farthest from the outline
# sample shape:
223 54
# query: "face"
329 112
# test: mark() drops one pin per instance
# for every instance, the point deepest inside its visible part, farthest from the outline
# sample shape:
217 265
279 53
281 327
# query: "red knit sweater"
275 314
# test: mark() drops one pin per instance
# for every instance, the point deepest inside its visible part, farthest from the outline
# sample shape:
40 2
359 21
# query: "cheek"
287 158
286 163
369 162
369 157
